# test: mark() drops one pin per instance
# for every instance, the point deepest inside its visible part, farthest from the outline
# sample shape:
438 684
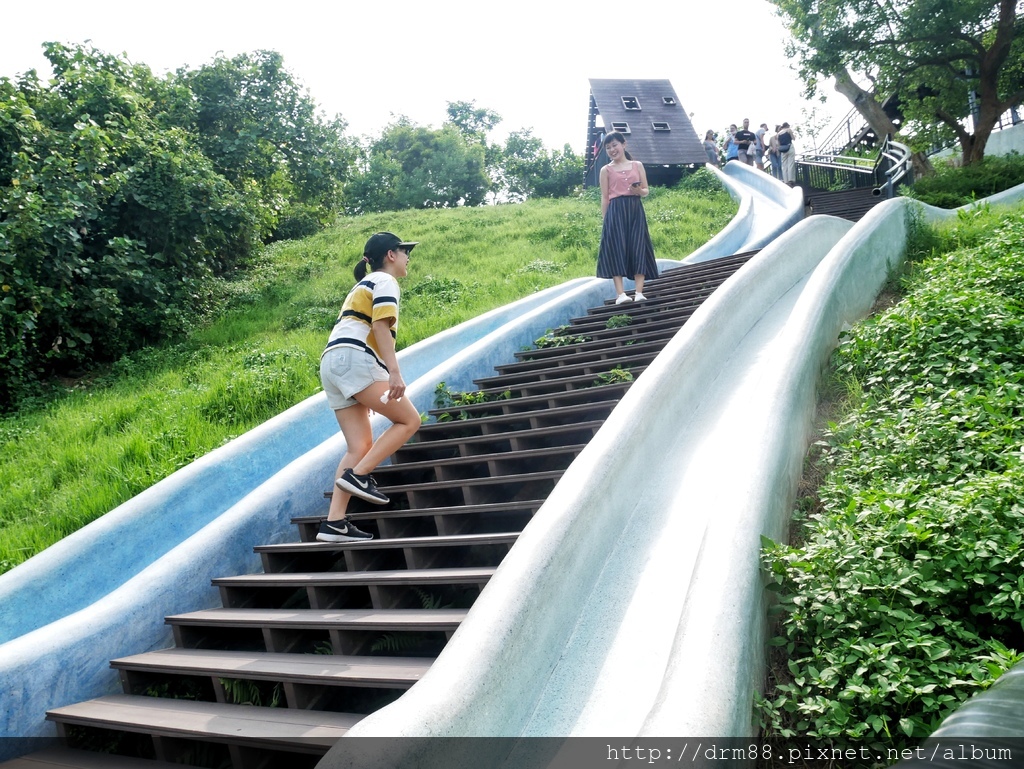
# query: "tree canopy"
944 60
123 192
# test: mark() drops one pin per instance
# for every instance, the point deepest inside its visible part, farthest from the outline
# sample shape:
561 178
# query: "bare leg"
405 421
617 280
363 453
354 422
639 280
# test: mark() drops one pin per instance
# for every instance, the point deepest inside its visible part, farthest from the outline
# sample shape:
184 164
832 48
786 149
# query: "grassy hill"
92 443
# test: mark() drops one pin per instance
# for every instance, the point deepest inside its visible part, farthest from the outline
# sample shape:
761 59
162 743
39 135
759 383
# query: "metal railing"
881 172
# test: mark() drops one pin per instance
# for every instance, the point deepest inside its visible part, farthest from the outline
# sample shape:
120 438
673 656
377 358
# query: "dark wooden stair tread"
454 540
382 473
523 505
68 758
461 575
366 619
270 666
301 730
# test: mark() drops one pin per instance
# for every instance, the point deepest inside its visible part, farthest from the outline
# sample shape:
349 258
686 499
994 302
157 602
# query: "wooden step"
470 491
562 396
301 731
661 328
474 465
370 619
432 443
579 359
563 416
69 758
342 589
376 554
299 673
562 384
565 377
428 521
311 631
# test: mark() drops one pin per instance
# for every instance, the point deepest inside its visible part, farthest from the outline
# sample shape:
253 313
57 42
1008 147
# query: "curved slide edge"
522 664
96 559
767 209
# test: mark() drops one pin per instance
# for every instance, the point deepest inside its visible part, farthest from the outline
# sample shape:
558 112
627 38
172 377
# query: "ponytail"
360 268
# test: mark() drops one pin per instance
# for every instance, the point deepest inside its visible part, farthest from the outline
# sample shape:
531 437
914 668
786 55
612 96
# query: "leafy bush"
442 291
618 321
954 186
109 221
702 182
906 595
122 194
557 337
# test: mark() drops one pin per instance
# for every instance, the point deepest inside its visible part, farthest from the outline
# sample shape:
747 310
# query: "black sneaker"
362 486
340 531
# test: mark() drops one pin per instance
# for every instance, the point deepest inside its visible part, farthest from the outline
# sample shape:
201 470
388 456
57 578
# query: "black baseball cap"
382 242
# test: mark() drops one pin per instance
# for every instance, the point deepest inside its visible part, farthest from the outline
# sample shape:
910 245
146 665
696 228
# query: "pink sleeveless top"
619 181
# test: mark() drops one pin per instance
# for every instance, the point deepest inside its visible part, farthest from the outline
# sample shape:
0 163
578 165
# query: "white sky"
530 60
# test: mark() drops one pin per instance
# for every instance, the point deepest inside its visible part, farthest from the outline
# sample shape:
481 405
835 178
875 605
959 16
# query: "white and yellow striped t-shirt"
373 298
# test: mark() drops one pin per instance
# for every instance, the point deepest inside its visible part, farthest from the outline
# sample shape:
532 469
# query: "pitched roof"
660 132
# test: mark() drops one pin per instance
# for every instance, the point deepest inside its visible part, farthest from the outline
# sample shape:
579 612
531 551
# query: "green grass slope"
93 443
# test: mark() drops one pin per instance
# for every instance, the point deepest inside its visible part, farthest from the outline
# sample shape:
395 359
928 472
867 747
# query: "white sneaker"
638 297
622 298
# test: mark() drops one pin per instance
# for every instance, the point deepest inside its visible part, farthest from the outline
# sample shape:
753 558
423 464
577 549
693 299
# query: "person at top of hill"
729 147
745 142
787 154
359 372
711 148
626 249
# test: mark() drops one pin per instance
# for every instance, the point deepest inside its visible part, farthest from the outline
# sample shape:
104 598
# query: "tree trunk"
864 102
869 108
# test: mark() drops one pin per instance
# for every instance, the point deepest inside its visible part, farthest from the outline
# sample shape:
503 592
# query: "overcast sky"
530 61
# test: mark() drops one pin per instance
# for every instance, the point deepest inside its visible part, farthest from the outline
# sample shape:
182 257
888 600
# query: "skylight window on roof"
622 128
668 101
631 103
660 126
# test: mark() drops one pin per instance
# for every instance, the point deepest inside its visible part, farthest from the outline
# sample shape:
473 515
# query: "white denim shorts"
345 371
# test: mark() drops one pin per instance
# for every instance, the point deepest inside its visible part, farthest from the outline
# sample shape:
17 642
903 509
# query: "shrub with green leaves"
906 595
952 186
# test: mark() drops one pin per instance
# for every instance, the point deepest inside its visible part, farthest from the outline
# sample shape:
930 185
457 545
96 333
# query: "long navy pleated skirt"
626 248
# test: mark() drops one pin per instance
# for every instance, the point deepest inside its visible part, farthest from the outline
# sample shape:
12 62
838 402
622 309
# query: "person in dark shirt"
745 141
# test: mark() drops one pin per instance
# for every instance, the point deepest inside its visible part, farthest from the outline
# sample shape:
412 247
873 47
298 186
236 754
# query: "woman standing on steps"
359 371
626 249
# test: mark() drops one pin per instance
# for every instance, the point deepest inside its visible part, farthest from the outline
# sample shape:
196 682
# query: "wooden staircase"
846 204
331 632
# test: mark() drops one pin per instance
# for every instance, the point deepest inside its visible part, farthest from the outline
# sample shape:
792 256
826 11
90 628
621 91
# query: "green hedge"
904 595
954 186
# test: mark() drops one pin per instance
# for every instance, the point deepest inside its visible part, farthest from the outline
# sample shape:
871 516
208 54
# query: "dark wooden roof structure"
657 129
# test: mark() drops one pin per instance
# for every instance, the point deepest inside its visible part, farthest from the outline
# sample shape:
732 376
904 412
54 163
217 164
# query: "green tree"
475 123
410 166
264 133
110 218
529 169
931 54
